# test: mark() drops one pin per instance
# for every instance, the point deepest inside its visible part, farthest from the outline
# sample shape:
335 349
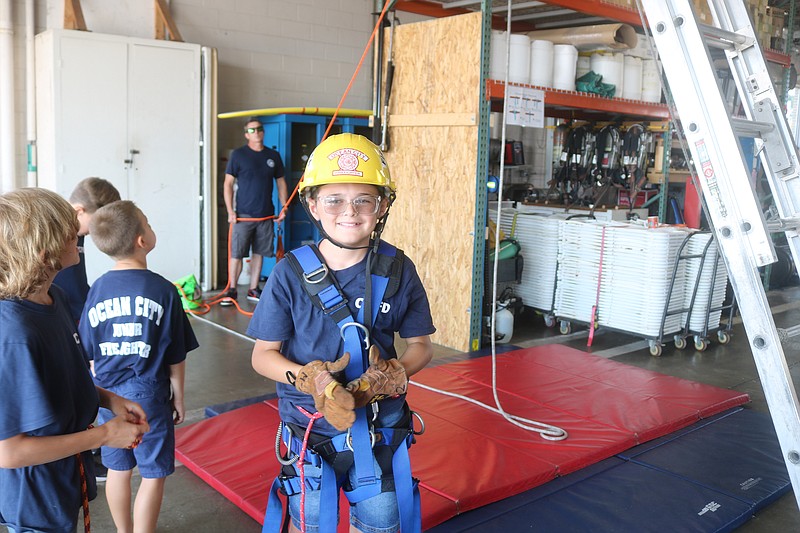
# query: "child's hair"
93 193
35 226
115 227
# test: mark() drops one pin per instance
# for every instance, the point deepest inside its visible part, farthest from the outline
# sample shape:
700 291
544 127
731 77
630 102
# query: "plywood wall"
433 131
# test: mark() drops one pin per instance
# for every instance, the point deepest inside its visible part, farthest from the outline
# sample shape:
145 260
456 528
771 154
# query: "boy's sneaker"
100 471
228 297
254 295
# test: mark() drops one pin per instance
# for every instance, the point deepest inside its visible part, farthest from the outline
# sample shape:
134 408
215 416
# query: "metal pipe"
7 110
30 91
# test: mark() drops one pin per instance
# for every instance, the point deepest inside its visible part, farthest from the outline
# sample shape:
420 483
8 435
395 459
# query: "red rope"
87 522
597 295
301 466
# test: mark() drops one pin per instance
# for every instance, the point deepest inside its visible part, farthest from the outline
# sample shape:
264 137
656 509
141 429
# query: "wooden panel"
437 73
437 66
431 119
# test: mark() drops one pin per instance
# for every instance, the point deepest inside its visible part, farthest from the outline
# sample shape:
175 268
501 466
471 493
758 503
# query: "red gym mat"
468 456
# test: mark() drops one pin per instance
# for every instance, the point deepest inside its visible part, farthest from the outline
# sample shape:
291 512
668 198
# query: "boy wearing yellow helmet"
325 327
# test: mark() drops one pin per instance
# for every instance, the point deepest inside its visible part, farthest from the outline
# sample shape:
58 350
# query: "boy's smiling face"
349 227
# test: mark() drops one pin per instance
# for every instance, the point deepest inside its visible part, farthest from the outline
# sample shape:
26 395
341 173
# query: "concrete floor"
220 371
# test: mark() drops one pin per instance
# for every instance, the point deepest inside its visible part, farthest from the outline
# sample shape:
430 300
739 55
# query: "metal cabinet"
129 110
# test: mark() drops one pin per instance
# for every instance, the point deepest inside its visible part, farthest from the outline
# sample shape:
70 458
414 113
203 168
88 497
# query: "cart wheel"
723 337
549 320
680 343
701 345
564 327
655 350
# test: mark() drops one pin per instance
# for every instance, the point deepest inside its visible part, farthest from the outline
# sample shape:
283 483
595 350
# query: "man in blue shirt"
253 167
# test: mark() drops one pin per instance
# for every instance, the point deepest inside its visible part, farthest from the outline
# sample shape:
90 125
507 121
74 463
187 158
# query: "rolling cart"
703 296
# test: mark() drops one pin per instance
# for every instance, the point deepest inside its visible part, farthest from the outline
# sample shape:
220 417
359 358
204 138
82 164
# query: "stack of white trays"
579 257
538 237
637 280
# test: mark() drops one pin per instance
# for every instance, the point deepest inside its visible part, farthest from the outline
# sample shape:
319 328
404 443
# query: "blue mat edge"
518 501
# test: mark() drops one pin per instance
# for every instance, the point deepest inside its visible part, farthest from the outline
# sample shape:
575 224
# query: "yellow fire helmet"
347 158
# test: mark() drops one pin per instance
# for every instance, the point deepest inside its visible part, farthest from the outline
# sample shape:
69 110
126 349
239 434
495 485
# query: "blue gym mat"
709 477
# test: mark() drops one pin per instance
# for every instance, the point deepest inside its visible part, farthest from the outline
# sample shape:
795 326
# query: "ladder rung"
783 224
751 128
787 333
724 39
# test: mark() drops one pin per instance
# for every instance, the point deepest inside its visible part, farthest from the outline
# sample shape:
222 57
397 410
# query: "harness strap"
323 289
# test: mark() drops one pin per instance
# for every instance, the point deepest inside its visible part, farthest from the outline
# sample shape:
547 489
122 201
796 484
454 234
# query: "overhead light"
495 9
545 25
542 14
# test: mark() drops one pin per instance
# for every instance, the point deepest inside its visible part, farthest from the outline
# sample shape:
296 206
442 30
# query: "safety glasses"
362 205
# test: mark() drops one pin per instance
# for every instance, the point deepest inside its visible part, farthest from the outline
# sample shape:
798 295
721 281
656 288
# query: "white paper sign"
525 107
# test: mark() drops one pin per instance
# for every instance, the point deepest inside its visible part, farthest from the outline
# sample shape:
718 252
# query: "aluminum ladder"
684 47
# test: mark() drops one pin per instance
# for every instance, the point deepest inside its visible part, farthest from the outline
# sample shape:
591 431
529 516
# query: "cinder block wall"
272 53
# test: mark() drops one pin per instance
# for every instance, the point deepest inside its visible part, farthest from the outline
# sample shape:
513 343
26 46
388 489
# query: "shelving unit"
585 106
439 123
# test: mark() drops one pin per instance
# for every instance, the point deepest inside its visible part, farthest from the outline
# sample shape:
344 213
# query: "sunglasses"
254 130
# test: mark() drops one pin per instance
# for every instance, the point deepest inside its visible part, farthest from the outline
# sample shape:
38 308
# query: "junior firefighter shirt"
133 325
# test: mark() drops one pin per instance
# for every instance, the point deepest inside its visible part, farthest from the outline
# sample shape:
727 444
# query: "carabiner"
362 327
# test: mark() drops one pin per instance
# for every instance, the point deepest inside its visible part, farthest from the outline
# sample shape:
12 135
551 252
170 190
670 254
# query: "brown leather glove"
384 378
331 398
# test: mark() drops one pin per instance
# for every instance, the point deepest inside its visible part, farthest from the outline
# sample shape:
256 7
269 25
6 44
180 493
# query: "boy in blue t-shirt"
87 197
359 423
136 336
46 392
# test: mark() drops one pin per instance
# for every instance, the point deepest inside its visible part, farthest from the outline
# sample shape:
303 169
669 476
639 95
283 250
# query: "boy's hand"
127 409
330 397
178 411
124 433
383 379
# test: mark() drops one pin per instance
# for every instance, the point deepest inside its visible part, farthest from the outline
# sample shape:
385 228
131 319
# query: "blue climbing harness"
353 449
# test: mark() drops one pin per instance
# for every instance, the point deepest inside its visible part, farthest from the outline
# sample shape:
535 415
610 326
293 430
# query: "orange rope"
87 521
217 299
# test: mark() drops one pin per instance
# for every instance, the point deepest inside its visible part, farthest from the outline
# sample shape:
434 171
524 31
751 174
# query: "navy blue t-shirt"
255 173
74 282
45 389
133 325
286 313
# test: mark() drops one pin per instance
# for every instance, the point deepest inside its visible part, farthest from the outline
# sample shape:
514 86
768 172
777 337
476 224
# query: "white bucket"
565 62
504 324
651 84
611 67
497 61
244 277
519 66
584 66
633 78
541 63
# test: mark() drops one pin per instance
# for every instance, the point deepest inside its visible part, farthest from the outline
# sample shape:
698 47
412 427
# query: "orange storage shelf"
562 103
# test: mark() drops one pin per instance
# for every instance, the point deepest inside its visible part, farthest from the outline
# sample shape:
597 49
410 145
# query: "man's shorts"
260 234
155 455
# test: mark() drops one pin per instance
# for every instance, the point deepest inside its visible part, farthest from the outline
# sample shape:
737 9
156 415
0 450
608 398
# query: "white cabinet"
127 110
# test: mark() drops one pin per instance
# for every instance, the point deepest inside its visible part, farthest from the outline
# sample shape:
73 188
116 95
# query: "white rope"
546 431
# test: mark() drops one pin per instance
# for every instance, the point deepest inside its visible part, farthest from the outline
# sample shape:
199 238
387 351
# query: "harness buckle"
348 439
317 275
360 326
416 415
